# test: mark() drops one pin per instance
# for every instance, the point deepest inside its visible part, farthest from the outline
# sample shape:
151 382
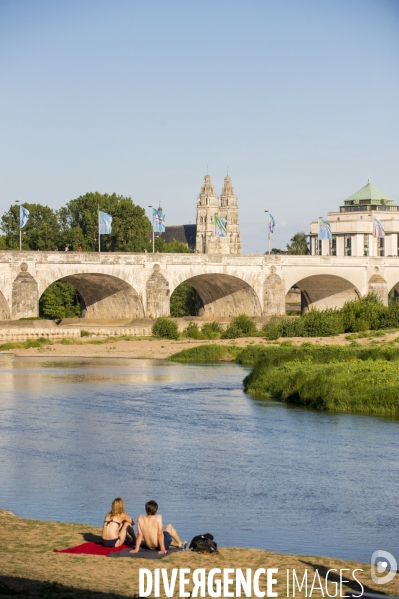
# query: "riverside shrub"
366 313
165 328
242 326
210 330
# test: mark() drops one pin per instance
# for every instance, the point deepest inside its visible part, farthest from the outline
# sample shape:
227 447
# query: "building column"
340 245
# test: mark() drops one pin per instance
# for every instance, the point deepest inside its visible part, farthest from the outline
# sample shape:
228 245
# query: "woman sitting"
116 524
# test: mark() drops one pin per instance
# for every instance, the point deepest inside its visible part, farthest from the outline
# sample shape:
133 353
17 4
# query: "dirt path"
162 348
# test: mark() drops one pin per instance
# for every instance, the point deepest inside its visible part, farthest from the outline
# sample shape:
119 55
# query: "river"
75 433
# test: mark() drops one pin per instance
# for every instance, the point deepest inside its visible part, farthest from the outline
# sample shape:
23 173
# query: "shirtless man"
149 529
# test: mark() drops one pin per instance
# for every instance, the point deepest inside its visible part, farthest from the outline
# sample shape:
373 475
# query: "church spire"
228 197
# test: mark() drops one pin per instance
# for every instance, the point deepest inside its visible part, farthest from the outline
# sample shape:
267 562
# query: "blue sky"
299 98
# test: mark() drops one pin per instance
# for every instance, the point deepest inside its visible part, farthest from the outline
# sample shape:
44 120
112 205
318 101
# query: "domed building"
353 227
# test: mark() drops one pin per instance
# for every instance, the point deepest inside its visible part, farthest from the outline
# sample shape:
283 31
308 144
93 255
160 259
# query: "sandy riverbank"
162 348
29 568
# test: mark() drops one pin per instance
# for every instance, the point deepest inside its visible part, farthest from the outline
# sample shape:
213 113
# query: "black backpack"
204 544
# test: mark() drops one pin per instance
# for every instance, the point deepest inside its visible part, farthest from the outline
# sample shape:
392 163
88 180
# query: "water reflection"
77 432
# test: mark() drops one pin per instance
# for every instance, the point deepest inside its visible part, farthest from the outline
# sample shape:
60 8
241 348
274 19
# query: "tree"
277 251
183 301
60 300
130 226
173 247
41 232
299 245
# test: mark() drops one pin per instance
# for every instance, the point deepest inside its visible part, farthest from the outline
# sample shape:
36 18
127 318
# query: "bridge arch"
325 291
224 295
104 296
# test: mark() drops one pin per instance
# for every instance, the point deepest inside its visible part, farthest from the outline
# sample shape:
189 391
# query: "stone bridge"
125 285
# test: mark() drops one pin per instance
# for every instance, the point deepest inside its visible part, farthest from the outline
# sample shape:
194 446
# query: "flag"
378 228
23 216
220 226
105 223
272 225
158 221
324 229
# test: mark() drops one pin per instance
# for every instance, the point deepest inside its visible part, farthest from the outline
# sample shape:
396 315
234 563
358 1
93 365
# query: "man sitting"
149 530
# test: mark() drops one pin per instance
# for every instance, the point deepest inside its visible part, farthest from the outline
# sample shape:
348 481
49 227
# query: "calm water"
75 433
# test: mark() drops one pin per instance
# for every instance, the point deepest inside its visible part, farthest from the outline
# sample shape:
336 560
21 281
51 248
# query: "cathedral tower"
208 206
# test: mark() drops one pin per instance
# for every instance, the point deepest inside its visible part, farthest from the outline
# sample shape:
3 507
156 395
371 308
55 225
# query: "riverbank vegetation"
336 378
333 378
357 317
364 314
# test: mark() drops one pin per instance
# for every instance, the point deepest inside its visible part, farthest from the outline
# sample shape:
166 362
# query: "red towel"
91 548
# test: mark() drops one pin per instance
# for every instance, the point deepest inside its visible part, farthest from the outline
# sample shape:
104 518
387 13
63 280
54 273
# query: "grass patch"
334 378
206 353
40 342
368 387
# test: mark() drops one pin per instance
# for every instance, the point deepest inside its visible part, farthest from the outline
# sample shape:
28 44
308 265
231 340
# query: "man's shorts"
167 539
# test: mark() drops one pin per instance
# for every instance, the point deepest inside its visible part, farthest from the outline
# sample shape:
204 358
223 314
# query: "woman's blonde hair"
117 508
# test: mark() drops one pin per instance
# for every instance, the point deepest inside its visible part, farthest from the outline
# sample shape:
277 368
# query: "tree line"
76 226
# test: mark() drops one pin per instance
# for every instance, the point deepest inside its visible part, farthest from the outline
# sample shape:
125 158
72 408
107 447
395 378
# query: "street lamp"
153 236
268 234
20 230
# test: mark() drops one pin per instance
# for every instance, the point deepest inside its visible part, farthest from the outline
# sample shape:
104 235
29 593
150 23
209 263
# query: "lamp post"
153 236
20 230
268 234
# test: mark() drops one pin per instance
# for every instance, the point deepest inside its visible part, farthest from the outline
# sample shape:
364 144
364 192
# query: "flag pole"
268 232
153 234
20 230
99 236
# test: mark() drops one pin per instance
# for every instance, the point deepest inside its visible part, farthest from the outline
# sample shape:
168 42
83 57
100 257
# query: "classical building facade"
210 205
352 227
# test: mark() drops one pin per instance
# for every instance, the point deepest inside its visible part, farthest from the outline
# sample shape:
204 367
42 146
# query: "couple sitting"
150 533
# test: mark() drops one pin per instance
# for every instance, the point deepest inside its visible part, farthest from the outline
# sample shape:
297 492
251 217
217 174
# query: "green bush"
211 330
360 325
242 326
84 333
356 316
192 331
165 328
272 329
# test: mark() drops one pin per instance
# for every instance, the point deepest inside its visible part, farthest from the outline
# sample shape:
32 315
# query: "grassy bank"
207 353
368 387
334 378
29 568
363 379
